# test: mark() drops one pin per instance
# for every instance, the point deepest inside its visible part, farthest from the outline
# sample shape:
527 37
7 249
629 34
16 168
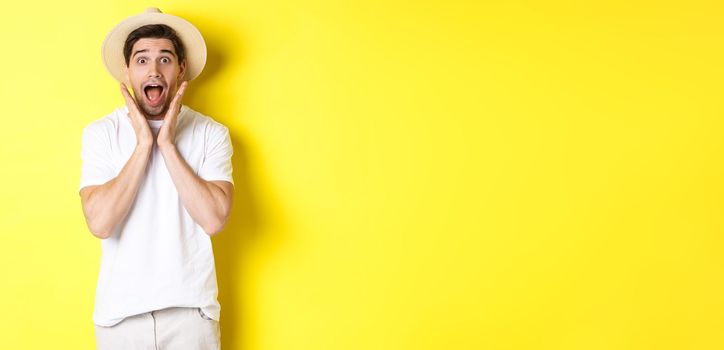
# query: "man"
155 186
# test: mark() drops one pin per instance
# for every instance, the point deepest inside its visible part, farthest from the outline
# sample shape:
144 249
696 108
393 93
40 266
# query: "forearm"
203 200
109 203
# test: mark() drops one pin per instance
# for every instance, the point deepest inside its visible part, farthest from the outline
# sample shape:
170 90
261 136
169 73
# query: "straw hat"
191 38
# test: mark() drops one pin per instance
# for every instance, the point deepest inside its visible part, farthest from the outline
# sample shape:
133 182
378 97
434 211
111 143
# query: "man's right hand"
144 137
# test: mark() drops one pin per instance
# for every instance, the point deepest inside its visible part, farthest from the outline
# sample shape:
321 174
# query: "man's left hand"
167 135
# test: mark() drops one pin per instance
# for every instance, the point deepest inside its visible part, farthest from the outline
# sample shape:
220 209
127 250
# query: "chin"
153 112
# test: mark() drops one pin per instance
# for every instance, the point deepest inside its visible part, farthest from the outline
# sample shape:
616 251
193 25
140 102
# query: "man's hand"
144 137
167 135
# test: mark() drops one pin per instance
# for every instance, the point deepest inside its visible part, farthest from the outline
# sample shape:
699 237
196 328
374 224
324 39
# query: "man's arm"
208 202
104 206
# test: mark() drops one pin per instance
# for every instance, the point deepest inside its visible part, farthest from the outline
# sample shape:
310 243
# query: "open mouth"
154 94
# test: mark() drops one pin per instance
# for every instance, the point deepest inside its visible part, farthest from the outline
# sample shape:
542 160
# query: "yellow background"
410 174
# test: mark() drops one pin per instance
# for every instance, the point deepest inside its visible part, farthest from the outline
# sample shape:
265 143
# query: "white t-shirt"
158 256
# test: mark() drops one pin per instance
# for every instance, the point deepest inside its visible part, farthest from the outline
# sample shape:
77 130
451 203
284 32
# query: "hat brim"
194 44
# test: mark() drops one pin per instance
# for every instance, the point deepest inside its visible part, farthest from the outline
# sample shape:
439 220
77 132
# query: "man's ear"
182 70
128 79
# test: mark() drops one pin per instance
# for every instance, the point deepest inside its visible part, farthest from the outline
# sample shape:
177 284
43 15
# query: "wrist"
166 146
145 146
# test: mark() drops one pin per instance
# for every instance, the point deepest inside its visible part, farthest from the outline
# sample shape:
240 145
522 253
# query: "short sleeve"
217 155
96 168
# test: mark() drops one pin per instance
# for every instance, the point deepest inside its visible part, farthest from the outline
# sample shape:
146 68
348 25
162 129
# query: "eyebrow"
162 51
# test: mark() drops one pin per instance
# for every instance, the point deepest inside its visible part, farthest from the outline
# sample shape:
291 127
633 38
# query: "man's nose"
153 71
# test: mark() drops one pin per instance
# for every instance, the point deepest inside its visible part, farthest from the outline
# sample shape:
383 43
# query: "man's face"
154 74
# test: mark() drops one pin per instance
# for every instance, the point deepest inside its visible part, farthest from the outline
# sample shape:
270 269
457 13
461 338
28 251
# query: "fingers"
176 103
130 101
126 94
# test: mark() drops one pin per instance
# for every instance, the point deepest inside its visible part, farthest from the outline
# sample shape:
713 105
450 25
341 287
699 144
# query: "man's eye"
141 60
165 60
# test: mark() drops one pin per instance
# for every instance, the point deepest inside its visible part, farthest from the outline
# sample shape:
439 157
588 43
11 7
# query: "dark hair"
157 31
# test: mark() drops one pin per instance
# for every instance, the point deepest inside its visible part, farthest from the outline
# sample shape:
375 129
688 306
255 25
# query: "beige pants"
167 329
